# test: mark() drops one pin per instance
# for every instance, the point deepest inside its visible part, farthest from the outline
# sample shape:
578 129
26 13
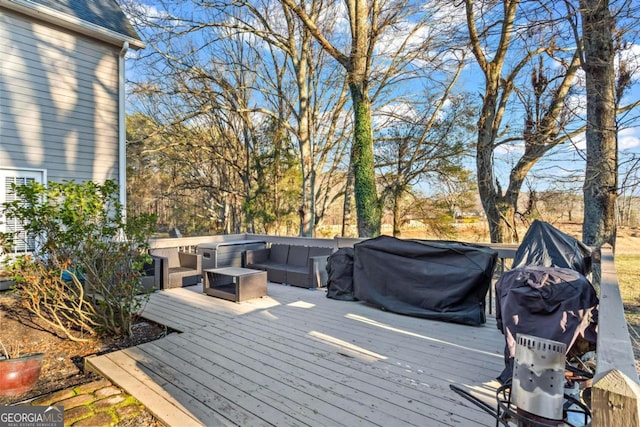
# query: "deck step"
156 397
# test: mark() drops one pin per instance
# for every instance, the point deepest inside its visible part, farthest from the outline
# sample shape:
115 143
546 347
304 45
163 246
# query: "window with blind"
22 243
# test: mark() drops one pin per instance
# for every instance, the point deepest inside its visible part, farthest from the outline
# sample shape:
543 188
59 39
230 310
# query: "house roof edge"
70 22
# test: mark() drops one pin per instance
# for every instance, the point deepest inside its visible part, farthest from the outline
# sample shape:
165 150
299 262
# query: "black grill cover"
432 279
340 275
546 302
547 246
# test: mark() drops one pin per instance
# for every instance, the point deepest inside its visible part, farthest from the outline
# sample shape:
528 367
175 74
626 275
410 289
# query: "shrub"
83 276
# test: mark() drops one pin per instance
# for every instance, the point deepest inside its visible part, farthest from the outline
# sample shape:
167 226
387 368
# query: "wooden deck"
297 358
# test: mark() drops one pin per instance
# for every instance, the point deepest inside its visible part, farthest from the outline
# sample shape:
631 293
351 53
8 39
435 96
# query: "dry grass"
628 269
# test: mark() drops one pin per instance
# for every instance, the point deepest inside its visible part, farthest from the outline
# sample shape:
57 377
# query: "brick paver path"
98 403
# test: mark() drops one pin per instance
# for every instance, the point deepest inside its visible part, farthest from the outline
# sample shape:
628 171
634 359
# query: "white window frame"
7 174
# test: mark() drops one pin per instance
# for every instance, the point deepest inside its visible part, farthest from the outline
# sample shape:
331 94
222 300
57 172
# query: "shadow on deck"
298 358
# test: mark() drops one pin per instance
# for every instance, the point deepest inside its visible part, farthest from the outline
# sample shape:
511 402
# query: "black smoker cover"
432 279
547 246
340 275
546 302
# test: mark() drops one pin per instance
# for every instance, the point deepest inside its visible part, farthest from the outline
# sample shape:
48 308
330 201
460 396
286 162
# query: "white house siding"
58 101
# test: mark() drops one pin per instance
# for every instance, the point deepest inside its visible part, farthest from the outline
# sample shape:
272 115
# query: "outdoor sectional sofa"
303 266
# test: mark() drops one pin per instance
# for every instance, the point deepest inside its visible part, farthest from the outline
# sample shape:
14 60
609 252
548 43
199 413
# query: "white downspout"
122 130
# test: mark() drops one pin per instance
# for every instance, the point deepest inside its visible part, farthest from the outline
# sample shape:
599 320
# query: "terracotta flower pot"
20 374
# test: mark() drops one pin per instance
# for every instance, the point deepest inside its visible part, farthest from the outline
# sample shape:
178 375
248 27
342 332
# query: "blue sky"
565 160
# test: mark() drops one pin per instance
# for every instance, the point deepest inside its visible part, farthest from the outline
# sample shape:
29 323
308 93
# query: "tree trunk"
501 206
601 175
396 214
347 206
489 195
300 58
507 231
367 204
306 157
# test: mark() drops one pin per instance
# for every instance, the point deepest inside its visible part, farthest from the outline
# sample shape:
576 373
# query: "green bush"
83 277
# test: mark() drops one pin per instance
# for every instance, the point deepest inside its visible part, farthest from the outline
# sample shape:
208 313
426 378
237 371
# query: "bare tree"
253 60
428 148
629 185
314 108
508 39
457 193
206 120
369 21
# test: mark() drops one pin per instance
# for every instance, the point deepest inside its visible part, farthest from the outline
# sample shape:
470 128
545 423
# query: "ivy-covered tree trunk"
601 175
368 209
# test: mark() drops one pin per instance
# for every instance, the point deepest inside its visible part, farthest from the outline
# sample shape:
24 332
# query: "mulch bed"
63 364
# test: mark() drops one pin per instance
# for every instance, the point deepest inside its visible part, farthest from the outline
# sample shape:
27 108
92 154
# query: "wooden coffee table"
235 283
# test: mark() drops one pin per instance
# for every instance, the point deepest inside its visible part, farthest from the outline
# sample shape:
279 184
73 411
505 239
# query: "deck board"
372 342
341 378
298 358
292 395
197 377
